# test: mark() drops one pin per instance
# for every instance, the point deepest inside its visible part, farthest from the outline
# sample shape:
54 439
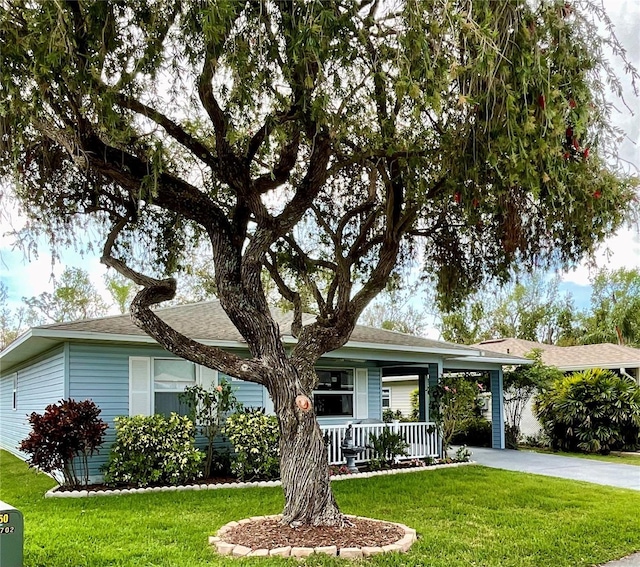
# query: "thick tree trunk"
304 470
304 461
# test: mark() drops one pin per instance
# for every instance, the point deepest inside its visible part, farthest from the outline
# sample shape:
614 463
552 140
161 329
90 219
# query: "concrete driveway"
574 468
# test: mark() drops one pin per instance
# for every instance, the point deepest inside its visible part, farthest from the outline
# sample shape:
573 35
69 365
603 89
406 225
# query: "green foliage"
519 386
453 405
531 308
208 410
463 454
415 405
394 309
388 446
593 411
63 438
388 416
255 438
168 529
615 308
122 291
74 297
476 432
12 322
477 131
491 116
153 450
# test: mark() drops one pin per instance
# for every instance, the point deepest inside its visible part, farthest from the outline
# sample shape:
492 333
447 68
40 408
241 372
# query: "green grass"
617 458
467 516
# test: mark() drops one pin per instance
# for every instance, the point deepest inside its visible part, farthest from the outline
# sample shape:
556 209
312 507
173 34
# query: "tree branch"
196 147
156 291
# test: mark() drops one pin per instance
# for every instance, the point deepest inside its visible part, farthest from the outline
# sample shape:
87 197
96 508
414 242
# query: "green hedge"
594 411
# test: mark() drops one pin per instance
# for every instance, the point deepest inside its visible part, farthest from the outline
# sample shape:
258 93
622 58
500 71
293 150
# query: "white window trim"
353 392
14 392
388 390
199 378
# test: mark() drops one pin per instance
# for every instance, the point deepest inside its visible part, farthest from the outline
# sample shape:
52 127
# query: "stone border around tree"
237 550
54 493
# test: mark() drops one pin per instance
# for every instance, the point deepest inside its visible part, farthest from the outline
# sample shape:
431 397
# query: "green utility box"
11 536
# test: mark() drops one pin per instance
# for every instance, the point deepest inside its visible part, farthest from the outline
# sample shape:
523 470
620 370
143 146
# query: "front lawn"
464 516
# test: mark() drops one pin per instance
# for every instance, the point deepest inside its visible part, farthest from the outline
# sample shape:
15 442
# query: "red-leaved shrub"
63 438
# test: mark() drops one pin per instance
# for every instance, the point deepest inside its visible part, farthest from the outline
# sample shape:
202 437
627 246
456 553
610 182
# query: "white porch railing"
422 438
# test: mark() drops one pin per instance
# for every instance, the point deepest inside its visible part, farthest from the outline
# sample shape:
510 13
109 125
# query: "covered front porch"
486 368
422 438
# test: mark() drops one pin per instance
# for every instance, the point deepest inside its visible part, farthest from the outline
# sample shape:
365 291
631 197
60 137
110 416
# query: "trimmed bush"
153 450
255 438
67 430
593 411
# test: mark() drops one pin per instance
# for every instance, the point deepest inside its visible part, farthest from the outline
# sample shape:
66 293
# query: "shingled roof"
604 355
207 321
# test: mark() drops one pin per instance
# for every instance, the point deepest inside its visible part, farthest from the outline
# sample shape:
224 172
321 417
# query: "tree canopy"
319 140
531 308
614 316
74 297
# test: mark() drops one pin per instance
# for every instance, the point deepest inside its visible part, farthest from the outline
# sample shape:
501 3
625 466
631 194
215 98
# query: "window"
334 393
170 378
386 398
155 384
14 403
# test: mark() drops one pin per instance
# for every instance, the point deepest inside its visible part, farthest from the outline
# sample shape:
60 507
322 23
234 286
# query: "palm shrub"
153 450
594 411
63 438
387 447
255 438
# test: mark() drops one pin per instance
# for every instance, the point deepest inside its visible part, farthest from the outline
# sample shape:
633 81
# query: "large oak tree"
318 140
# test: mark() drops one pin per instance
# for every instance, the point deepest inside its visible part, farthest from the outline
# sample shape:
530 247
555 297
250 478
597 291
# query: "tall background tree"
479 128
531 308
74 297
615 308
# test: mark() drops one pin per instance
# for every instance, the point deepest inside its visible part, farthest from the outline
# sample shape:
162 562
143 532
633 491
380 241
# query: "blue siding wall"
250 395
497 410
39 384
100 372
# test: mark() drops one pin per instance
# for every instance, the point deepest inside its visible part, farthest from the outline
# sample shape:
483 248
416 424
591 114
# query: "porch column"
423 399
426 380
497 410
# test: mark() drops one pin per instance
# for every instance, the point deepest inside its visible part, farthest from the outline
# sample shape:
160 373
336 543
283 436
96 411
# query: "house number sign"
5 518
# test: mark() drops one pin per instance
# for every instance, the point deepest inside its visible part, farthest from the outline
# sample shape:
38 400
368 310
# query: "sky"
29 276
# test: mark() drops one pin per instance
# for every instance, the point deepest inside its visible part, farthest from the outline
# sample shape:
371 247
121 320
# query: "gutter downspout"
624 372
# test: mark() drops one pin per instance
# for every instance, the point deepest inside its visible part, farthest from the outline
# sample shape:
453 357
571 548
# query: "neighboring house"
621 359
125 372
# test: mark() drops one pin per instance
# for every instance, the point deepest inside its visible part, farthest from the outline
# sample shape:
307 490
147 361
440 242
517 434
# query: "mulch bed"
270 534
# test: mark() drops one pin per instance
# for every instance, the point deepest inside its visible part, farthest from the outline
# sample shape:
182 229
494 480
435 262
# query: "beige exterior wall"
401 395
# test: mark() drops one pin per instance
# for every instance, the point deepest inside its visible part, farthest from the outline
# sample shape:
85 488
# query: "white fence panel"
422 439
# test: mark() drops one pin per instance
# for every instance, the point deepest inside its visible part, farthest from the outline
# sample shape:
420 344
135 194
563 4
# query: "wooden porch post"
423 406
497 410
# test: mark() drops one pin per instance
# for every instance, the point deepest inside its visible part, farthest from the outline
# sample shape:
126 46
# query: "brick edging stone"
53 493
237 550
